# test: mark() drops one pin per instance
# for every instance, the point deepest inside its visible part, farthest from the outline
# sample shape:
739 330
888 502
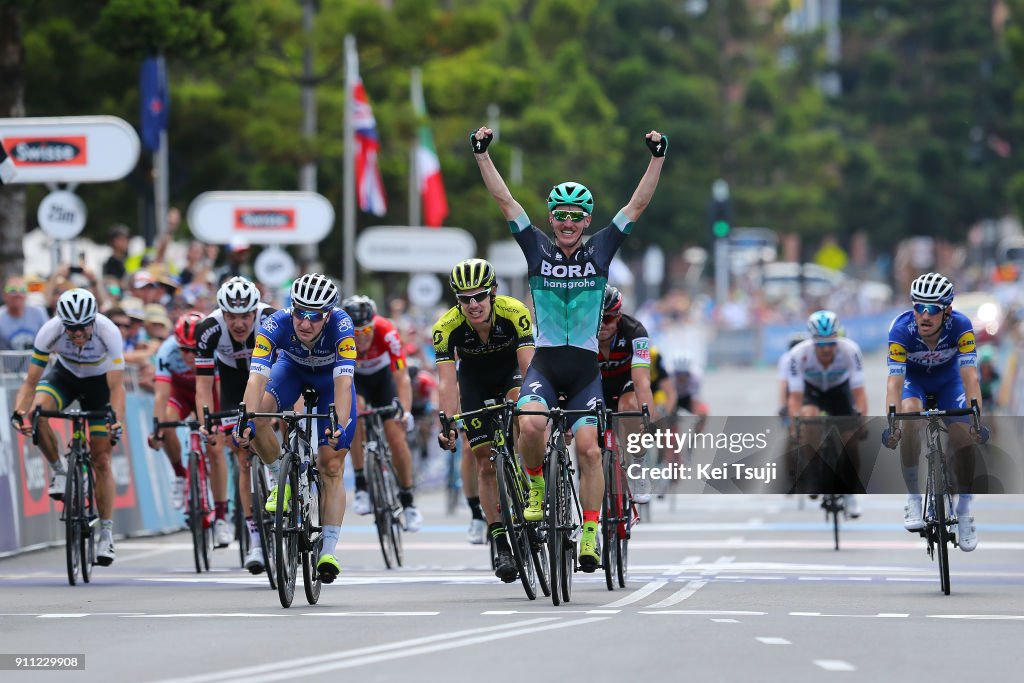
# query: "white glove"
410 422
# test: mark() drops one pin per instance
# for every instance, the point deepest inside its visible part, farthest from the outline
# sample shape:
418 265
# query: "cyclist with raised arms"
309 344
89 369
567 279
624 356
826 376
491 337
382 380
174 399
932 353
225 341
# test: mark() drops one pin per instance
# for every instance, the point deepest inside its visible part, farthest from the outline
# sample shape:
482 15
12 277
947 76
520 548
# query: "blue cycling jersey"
335 348
909 355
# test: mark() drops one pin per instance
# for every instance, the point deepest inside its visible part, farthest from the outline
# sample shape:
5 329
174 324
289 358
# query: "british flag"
369 187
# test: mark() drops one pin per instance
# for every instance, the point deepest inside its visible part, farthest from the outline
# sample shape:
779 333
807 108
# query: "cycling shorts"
288 379
567 370
92 393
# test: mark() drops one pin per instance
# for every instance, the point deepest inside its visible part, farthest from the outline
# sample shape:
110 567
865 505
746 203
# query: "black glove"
17 419
480 146
659 148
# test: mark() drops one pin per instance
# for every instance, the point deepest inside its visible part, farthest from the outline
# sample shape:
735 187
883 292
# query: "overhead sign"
424 290
413 249
274 266
69 149
508 259
62 215
261 217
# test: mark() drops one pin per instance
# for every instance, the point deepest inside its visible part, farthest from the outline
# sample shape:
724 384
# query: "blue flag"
155 101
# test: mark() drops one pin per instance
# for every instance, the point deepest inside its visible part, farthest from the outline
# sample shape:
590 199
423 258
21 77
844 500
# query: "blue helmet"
823 324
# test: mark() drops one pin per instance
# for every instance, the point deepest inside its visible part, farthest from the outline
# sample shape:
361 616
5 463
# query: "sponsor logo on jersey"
897 354
642 351
269 324
262 348
563 271
966 343
347 348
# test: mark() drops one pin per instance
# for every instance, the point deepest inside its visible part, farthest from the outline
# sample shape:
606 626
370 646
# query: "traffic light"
720 217
720 228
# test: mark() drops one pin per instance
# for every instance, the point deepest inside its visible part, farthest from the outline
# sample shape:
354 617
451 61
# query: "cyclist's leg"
331 465
538 394
910 452
964 457
50 395
283 390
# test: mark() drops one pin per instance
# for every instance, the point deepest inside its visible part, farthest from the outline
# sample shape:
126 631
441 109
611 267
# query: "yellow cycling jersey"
511 329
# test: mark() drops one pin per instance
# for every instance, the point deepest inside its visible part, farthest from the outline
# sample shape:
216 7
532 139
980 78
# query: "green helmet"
572 194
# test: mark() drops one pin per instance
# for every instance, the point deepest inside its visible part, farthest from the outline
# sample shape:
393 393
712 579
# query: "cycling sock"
330 539
963 505
405 497
536 472
254 534
910 479
107 526
275 469
58 467
179 469
360 480
474 507
220 509
590 516
498 535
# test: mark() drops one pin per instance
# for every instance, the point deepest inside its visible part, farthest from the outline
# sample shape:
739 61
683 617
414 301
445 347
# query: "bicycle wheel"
195 511
312 538
609 522
625 526
263 520
238 515
454 485
939 494
286 529
90 519
391 493
383 512
73 514
567 524
510 500
555 540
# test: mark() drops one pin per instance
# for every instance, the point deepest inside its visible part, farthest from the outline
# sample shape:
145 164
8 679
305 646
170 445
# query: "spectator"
121 319
146 288
19 322
237 264
198 268
114 267
156 322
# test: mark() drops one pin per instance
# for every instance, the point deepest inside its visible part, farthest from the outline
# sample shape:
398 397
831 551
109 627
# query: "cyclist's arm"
342 399
668 386
23 403
254 390
860 400
204 393
115 381
796 399
161 392
510 208
972 387
641 377
524 356
403 387
448 389
894 392
645 190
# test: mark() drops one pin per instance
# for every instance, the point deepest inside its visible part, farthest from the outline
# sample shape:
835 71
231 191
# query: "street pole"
307 174
720 225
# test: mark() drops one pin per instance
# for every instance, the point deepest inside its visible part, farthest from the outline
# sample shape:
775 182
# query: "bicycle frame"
80 514
618 510
833 504
939 515
382 484
199 510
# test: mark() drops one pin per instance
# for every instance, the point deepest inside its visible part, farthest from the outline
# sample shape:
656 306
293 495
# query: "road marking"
704 612
769 640
635 596
310 666
1009 617
202 615
835 665
63 616
144 555
370 614
682 594
726 621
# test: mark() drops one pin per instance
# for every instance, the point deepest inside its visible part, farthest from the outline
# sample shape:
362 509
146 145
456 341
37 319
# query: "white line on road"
682 594
397 650
835 665
726 621
1010 617
370 614
636 595
704 612
770 640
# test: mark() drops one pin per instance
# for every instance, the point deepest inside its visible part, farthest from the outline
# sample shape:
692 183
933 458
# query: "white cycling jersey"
804 367
103 352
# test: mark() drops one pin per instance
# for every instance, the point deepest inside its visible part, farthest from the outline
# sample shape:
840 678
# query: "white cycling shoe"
413 519
223 534
477 532
966 534
913 515
361 503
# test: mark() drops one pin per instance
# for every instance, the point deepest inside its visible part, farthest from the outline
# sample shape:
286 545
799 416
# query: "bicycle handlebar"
208 417
974 411
290 416
107 415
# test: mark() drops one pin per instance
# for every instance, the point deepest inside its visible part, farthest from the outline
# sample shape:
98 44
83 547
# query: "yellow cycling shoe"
588 556
328 568
271 505
534 511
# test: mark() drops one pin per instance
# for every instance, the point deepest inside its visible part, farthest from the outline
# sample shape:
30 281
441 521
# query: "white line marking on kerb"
835 665
769 640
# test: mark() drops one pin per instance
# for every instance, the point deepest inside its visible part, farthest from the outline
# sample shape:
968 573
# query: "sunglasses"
574 216
930 309
77 328
187 349
365 329
311 316
825 344
609 319
470 298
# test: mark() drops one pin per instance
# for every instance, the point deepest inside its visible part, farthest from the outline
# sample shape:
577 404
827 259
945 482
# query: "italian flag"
428 168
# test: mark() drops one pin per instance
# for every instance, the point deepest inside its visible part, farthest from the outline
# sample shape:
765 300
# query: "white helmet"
683 362
932 288
238 295
314 291
76 307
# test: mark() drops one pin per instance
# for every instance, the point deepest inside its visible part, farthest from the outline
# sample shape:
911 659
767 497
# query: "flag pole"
348 173
416 95
160 164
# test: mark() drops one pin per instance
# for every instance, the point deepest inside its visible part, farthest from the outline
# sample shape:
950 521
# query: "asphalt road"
720 587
